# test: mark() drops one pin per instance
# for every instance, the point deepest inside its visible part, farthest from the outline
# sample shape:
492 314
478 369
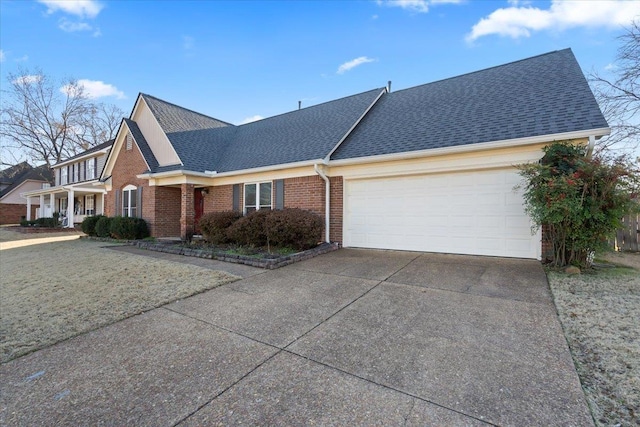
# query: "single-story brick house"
16 180
429 168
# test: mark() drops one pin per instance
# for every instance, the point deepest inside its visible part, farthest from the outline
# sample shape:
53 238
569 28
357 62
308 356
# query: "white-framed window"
129 201
257 196
91 169
76 171
89 204
63 175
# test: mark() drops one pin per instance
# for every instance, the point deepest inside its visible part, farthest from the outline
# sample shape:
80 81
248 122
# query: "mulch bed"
261 259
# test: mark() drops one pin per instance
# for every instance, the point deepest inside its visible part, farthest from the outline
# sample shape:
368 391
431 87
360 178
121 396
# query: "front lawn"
600 315
53 291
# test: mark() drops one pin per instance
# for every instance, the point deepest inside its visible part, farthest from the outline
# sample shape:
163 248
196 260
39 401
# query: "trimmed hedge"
295 228
250 230
103 227
128 228
214 225
89 224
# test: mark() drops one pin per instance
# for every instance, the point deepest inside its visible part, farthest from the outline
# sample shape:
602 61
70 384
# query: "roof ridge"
185 109
486 69
312 106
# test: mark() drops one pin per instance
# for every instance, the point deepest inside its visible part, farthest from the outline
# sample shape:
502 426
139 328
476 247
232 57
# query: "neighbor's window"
91 169
257 196
129 200
63 175
89 202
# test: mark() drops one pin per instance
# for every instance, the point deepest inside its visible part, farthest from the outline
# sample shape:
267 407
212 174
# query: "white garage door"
475 213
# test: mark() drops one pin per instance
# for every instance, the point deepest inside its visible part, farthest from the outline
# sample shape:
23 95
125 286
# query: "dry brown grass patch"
54 291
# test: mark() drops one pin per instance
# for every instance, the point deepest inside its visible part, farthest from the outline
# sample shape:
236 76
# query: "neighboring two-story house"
77 191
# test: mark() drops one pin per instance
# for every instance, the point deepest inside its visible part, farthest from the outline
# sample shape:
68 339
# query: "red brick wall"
187 211
160 205
12 213
304 193
219 199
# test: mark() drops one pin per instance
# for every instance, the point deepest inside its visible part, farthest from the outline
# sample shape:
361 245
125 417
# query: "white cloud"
95 89
420 6
610 67
251 119
80 8
2 57
28 79
23 58
72 27
517 22
353 63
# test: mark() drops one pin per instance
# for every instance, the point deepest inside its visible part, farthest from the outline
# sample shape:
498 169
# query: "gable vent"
129 142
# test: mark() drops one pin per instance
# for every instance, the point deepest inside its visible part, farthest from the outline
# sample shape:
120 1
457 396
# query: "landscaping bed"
255 257
600 312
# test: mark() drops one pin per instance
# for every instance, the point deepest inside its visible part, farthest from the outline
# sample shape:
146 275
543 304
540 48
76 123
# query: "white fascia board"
115 148
473 147
328 156
231 173
84 156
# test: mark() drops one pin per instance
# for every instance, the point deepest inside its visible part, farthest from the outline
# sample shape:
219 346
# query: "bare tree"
48 122
619 98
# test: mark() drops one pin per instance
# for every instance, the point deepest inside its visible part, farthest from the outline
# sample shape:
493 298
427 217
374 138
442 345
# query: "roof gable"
41 173
542 95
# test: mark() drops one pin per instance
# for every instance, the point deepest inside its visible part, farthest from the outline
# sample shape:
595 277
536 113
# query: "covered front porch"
72 203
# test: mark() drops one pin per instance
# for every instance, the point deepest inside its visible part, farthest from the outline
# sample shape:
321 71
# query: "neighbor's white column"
28 208
42 211
71 206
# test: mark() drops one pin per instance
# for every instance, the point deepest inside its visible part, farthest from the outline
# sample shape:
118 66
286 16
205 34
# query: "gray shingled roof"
306 134
22 173
98 147
543 95
142 144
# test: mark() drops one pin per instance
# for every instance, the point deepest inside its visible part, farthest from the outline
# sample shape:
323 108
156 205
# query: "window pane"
134 198
250 195
265 195
249 210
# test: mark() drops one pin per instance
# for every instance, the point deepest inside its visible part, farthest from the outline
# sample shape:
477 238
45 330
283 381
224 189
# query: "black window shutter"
139 204
280 194
84 171
118 210
236 197
68 174
95 167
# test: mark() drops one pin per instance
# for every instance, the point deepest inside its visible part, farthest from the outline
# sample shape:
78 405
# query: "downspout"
327 199
592 143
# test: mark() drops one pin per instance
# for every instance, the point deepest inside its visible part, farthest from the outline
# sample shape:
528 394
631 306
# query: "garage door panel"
469 213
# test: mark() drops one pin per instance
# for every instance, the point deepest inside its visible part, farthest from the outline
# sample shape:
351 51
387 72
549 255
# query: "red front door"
198 207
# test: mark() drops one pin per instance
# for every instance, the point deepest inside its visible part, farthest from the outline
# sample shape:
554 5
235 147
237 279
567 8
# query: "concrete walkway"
352 337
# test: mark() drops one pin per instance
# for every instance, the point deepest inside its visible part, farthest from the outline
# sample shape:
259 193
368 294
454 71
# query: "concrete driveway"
353 337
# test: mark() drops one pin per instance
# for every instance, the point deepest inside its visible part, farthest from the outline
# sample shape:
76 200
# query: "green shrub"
128 228
47 222
579 200
25 223
250 229
89 224
296 228
103 227
214 225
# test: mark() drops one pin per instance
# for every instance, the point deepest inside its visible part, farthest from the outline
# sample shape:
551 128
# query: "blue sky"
241 60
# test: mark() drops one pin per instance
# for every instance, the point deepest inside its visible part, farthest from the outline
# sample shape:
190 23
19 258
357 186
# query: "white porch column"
101 207
28 208
71 205
42 211
52 203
